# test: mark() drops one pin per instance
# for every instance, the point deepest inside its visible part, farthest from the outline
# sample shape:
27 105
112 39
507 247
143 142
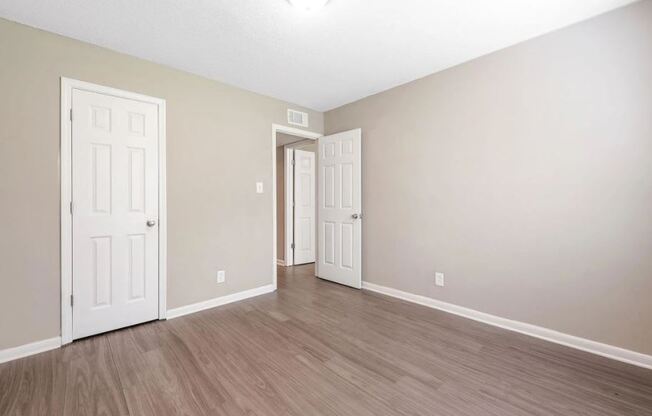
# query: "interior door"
304 207
340 208
115 212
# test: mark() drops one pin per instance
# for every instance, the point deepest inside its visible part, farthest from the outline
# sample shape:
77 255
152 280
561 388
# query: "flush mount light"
308 5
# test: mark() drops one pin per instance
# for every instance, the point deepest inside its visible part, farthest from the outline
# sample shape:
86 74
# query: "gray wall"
218 145
526 177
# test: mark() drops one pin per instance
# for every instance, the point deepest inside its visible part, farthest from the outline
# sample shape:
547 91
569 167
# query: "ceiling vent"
297 118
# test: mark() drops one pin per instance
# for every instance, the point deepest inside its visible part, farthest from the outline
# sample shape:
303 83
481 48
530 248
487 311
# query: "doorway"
296 196
283 136
113 212
338 199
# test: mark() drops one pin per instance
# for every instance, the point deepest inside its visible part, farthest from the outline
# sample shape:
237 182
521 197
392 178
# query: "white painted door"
115 212
304 207
340 208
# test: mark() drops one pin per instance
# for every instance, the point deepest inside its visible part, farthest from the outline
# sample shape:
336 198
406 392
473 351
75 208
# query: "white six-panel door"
304 207
115 212
340 208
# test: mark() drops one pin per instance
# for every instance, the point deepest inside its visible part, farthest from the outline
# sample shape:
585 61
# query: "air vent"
297 118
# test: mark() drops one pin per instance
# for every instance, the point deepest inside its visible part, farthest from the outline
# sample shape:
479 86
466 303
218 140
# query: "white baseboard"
26 350
604 350
222 300
280 262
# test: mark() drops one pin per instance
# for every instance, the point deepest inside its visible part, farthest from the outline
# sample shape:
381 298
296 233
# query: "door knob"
151 223
356 216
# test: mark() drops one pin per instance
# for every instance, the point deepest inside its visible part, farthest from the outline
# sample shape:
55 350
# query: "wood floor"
317 348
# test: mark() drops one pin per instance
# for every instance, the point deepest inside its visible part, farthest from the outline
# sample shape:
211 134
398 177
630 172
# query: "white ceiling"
348 50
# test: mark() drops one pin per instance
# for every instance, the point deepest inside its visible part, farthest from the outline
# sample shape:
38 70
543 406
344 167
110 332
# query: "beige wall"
218 146
526 177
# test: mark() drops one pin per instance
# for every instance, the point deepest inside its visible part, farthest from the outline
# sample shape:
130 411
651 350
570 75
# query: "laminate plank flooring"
317 348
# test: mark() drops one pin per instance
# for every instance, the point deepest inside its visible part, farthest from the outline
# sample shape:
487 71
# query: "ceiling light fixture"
308 5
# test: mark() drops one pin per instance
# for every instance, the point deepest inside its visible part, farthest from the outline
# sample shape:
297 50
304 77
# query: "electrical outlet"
439 279
221 276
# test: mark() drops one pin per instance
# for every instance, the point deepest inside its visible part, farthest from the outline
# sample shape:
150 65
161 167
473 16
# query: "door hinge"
71 114
292 246
72 301
70 207
294 162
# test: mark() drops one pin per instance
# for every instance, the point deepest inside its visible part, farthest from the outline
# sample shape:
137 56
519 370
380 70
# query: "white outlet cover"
221 276
259 187
439 279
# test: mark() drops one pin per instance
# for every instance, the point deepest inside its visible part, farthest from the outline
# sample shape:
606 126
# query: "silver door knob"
355 216
151 223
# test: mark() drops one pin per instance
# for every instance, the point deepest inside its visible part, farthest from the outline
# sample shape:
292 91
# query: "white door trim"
288 156
65 163
279 128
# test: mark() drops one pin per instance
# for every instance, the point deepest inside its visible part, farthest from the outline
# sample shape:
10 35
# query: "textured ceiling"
347 50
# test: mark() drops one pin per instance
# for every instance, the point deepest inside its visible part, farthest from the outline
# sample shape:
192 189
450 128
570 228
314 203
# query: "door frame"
65 164
288 156
289 207
306 134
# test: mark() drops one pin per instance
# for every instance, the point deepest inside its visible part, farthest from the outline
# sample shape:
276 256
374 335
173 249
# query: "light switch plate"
439 279
259 187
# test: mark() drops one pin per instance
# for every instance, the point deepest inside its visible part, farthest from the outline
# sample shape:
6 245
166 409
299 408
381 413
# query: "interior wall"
218 146
525 176
308 146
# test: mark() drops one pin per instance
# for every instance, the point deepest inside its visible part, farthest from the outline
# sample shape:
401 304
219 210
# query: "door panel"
137 266
340 208
101 270
304 207
115 193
